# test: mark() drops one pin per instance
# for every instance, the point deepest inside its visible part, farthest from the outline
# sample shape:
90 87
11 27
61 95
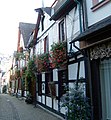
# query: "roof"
26 29
48 10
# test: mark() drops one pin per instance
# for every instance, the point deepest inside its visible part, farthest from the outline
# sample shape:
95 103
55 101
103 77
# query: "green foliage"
43 62
17 73
20 56
31 69
76 104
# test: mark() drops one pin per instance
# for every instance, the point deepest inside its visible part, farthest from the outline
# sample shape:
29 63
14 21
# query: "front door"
105 83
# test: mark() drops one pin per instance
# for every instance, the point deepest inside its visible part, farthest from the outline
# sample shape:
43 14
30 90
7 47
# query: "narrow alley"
12 108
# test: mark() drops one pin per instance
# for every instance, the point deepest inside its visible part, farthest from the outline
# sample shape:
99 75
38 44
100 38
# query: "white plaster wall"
43 99
72 23
82 70
39 98
47 22
31 52
43 76
55 74
72 26
98 14
72 71
53 35
43 87
49 101
55 102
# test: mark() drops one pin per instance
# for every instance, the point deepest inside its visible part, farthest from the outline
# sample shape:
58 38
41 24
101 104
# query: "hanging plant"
58 55
43 62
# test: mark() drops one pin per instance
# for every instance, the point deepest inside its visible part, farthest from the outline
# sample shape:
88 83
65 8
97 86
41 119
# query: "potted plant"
76 104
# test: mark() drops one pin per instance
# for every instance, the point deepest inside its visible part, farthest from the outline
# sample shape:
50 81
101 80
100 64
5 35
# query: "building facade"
58 25
96 44
83 31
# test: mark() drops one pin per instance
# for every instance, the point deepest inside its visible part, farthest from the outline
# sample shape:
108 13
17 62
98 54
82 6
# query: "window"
98 3
105 80
46 45
62 75
61 31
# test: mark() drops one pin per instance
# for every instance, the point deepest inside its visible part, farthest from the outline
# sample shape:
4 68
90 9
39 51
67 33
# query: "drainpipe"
88 61
85 15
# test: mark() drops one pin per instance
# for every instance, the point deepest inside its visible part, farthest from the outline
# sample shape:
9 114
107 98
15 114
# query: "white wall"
52 34
98 14
72 26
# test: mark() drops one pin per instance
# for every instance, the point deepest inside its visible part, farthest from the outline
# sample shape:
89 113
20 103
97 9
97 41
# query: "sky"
11 13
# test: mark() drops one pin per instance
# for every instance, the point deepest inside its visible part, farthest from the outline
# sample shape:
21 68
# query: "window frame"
62 30
98 4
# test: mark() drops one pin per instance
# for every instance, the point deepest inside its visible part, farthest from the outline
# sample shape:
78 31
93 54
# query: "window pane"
73 71
61 31
105 76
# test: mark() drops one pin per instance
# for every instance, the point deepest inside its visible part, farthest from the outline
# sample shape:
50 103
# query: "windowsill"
100 4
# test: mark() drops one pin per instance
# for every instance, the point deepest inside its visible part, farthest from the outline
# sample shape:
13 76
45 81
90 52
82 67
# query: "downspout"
85 18
88 61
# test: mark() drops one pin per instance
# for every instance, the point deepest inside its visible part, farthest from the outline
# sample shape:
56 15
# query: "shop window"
61 31
39 78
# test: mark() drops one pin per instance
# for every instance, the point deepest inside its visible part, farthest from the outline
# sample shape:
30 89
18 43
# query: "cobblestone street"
12 108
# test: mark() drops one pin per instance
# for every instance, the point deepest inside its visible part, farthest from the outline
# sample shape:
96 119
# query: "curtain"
105 81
